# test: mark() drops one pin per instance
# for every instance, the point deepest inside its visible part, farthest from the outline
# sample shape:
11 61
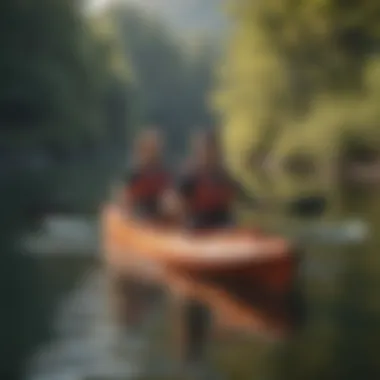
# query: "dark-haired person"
144 184
205 195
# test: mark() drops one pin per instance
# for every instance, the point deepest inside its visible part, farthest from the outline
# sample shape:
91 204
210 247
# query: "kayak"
243 275
211 251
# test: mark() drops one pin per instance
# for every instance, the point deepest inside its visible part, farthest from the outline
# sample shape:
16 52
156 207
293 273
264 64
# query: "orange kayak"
243 275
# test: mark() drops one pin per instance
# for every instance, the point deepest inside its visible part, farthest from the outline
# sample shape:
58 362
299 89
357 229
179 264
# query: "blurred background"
293 88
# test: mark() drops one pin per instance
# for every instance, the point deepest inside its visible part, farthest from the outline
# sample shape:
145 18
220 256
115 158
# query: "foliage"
302 77
294 73
60 87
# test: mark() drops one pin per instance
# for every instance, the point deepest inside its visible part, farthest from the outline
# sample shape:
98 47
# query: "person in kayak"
144 184
205 195
148 179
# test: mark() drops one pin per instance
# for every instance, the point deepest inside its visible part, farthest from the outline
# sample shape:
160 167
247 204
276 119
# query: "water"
85 342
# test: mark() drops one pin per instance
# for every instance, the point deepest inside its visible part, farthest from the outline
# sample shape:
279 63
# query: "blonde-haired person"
204 196
147 179
143 186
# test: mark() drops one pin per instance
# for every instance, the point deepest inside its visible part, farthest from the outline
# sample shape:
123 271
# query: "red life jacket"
149 184
211 194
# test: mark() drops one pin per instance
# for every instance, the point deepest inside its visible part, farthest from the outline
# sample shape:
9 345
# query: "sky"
186 15
100 4
96 5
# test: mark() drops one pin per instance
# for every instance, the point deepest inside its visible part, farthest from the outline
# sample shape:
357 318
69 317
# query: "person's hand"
171 205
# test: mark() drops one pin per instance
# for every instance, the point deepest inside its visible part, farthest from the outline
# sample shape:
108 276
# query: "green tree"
287 66
302 76
58 86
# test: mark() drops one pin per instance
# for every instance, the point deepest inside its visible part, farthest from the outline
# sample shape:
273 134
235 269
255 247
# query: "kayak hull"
225 250
247 290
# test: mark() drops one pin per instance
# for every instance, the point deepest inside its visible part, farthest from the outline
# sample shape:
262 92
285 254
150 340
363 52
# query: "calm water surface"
86 344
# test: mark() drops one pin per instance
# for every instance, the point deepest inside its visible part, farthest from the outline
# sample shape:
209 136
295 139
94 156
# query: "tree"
56 77
301 76
288 65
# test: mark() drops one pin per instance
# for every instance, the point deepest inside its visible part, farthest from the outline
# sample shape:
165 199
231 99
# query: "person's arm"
172 205
126 198
175 199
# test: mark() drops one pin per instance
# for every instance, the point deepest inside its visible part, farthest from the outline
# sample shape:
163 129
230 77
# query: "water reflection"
86 344
85 341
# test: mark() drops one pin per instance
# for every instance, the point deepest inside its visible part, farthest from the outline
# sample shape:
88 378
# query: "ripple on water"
86 342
